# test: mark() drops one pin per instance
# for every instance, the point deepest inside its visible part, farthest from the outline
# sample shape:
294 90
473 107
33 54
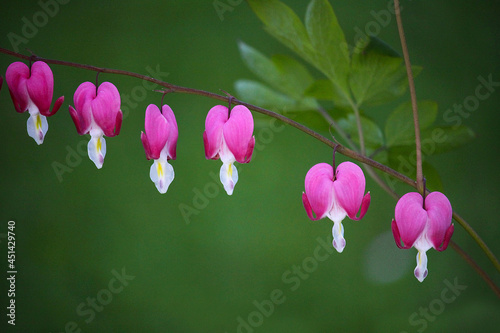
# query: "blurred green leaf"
399 128
441 139
328 41
378 74
326 91
371 132
283 24
259 94
281 72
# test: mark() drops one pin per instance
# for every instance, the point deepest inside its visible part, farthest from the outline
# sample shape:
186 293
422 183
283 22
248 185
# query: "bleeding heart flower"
160 143
31 90
229 137
423 223
97 111
335 196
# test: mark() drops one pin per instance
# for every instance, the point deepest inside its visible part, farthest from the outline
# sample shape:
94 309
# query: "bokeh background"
206 273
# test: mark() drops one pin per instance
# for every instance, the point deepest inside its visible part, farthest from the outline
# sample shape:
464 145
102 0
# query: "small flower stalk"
423 223
335 194
97 112
229 136
31 89
160 143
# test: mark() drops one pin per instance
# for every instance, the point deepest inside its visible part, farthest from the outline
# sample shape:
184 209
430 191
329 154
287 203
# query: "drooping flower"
335 196
160 143
31 90
423 223
97 112
230 137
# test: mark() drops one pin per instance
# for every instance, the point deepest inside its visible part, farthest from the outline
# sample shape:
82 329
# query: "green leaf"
372 133
328 41
399 128
378 74
259 94
283 24
326 91
282 72
441 139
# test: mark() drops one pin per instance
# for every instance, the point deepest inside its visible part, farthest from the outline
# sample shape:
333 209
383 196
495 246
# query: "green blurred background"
207 275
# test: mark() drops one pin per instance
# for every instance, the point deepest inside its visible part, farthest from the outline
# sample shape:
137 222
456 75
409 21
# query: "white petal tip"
161 174
97 150
421 269
37 127
228 177
338 237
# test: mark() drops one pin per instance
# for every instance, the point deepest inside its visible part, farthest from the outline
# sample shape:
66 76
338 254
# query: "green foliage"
282 23
372 133
372 74
378 74
399 128
331 54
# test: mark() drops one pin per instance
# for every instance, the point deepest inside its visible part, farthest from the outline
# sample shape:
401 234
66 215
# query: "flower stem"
340 148
413 95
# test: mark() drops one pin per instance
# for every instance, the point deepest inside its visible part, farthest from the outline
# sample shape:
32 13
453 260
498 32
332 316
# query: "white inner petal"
421 269
97 148
338 236
37 126
228 177
162 174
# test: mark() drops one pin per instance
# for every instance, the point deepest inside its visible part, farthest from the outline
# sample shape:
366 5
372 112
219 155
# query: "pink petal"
157 131
440 213
349 188
318 197
238 132
82 113
16 76
41 86
106 107
397 236
410 218
173 133
145 144
56 106
250 148
212 137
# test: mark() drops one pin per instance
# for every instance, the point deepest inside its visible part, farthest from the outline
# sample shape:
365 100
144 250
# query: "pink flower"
335 196
31 90
229 137
423 224
160 143
97 111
